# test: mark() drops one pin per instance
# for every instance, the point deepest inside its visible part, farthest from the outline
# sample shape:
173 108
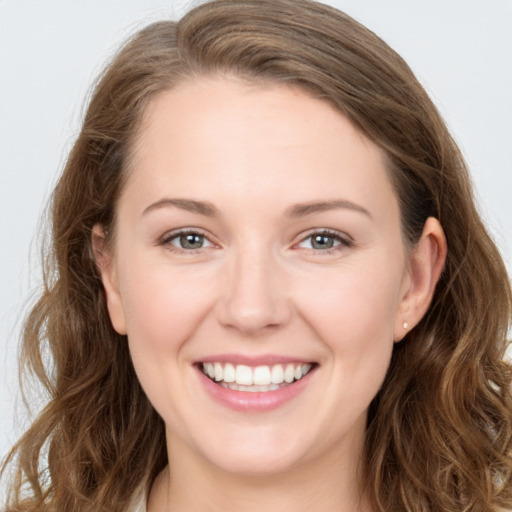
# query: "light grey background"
51 50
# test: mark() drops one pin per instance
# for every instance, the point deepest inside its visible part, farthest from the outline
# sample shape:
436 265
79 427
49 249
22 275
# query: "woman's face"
258 239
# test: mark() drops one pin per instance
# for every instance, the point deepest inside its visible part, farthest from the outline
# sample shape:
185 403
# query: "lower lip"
248 401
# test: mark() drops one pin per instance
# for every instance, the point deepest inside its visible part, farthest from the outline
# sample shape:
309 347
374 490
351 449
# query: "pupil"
322 242
191 241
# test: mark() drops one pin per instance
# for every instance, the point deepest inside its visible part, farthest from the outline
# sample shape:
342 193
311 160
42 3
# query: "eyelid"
343 239
167 237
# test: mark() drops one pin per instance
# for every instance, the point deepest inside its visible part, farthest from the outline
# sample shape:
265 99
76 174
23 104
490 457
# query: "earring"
405 325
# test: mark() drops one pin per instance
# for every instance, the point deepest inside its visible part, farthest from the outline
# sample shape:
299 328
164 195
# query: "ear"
426 262
106 264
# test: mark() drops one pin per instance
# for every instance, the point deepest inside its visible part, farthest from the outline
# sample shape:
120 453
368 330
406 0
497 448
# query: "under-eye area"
256 379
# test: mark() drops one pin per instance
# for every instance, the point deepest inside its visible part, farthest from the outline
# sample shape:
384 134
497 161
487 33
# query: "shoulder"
138 503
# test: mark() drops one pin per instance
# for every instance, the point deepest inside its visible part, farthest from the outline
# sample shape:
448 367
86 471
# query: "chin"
257 462
260 452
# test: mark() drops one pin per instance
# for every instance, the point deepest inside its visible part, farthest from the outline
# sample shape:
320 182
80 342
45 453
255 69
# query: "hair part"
439 432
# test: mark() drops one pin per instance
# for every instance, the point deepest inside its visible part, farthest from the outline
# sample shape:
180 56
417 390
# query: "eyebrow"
297 210
190 205
303 209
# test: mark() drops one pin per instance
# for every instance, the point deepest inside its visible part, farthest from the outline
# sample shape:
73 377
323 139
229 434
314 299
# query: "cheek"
354 317
163 311
163 307
354 304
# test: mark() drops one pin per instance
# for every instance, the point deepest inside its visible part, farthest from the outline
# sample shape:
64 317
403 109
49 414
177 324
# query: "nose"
254 297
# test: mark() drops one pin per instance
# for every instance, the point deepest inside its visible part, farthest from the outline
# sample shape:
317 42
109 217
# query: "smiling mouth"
255 379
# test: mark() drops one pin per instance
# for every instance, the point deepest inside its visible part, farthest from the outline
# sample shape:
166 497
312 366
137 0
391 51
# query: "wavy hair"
439 434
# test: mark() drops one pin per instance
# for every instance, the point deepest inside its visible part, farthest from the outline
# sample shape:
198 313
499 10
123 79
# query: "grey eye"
190 241
320 242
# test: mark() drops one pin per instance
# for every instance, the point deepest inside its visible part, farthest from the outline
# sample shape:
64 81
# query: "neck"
191 484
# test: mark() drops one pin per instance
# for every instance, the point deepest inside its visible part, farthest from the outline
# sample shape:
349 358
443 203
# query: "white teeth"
289 373
253 389
229 373
243 375
277 374
217 369
261 378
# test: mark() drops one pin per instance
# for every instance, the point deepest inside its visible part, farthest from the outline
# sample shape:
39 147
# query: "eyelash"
167 239
341 241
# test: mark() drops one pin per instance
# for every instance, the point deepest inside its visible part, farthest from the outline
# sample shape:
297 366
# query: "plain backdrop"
50 51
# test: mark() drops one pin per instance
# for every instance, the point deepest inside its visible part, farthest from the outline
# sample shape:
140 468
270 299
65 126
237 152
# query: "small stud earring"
405 325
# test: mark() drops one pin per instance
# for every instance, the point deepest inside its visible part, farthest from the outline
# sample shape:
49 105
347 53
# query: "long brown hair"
439 433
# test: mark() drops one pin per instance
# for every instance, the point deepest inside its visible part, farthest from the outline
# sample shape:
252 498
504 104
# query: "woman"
269 286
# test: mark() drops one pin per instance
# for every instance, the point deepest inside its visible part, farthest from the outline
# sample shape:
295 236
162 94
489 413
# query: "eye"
324 241
187 241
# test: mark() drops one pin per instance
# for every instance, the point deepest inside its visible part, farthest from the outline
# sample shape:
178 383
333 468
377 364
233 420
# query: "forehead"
220 138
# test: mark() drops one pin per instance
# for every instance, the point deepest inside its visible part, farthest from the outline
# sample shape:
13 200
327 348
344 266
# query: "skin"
258 286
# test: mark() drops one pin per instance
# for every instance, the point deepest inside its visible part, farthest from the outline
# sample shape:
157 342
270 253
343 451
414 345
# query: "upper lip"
261 360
